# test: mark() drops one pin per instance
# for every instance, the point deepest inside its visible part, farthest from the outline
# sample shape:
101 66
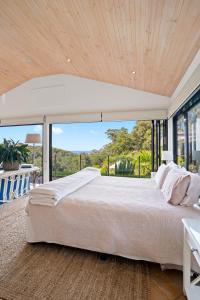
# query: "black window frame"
156 150
191 102
50 154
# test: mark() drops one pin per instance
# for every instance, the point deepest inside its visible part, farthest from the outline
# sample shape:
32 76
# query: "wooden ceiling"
104 39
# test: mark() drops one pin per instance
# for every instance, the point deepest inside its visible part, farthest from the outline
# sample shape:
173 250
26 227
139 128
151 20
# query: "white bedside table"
191 245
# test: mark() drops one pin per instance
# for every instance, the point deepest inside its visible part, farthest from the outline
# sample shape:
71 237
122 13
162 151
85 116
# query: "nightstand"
191 246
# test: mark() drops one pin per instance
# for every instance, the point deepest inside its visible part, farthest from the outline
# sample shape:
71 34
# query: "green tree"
121 141
141 135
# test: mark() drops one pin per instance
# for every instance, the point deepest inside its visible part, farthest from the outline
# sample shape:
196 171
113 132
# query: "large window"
116 148
128 148
19 133
194 138
181 141
187 134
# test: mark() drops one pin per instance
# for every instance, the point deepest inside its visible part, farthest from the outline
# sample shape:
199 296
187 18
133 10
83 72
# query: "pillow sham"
193 192
175 186
161 175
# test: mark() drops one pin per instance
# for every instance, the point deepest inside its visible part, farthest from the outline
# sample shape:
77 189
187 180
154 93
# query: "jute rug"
52 272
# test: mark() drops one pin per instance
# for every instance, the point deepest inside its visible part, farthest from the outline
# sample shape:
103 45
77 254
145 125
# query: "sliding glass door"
194 138
187 134
181 141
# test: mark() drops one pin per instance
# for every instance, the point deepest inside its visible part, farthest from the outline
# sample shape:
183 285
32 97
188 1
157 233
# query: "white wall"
66 94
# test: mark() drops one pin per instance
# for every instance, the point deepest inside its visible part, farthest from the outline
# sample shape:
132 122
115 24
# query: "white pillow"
172 164
175 186
193 192
161 174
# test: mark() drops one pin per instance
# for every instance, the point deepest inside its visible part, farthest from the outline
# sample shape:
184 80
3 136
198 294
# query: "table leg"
34 178
186 264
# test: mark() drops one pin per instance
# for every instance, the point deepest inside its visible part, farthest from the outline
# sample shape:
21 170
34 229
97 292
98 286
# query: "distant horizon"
76 151
74 137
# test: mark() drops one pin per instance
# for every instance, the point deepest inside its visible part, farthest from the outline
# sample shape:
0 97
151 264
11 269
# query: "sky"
72 137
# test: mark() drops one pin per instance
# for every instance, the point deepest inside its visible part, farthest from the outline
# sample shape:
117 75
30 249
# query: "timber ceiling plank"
105 40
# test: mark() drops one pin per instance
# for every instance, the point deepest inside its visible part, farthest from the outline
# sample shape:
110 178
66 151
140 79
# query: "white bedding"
52 192
122 216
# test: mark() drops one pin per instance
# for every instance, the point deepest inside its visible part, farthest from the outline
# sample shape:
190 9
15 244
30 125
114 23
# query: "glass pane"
181 141
161 136
116 148
194 138
18 133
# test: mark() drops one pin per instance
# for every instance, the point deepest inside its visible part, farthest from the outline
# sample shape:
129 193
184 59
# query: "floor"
165 285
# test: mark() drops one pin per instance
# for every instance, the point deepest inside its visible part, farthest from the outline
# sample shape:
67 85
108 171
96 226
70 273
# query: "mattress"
121 216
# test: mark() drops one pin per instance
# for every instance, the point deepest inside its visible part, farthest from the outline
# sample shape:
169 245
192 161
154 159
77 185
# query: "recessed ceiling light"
68 60
28 60
133 72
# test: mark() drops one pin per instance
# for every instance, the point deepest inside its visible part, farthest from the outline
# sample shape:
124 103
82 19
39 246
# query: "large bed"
122 216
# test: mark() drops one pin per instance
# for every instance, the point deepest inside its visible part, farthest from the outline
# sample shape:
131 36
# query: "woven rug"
45 271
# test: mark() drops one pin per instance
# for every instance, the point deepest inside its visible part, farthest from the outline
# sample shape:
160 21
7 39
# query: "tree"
121 141
113 133
141 135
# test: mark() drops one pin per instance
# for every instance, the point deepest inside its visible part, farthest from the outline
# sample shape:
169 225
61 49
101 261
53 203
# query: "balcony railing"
135 166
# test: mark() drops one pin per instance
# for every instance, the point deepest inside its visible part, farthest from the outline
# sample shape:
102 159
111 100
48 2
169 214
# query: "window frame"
192 101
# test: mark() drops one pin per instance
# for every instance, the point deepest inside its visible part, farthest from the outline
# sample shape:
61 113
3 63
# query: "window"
159 139
116 148
181 151
194 138
18 133
187 134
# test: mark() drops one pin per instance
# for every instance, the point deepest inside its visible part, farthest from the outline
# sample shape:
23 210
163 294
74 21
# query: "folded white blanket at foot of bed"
52 192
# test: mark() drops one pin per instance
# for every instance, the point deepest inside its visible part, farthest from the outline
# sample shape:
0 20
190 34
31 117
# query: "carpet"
48 271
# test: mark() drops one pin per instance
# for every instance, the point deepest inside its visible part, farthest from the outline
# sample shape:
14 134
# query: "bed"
128 217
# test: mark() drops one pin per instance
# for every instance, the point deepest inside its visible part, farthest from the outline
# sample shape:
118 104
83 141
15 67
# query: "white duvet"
122 216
